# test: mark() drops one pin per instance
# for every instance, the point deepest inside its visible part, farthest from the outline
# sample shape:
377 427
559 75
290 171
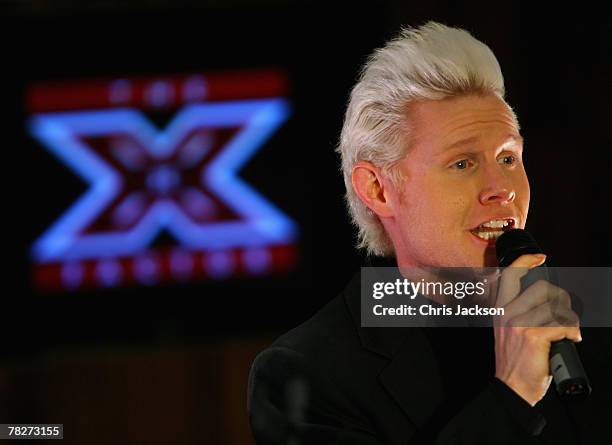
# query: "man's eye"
461 165
508 160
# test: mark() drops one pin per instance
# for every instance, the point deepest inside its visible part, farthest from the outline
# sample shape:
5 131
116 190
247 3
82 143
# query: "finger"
539 293
544 315
566 318
510 280
553 332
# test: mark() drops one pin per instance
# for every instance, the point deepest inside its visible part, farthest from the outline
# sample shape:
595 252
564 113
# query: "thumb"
510 281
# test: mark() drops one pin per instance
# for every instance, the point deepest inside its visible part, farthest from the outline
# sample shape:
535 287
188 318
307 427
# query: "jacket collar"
411 376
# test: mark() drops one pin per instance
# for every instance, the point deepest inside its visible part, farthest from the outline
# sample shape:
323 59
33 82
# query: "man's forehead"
457 122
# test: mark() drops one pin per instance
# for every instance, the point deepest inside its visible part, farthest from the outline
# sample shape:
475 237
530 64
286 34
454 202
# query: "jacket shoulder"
318 369
329 331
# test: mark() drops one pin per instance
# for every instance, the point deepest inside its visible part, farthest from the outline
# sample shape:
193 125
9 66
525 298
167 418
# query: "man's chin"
483 259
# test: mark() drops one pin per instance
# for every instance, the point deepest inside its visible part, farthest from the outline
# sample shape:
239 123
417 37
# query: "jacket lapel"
411 376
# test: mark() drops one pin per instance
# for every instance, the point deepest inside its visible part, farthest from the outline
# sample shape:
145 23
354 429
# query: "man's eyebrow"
510 140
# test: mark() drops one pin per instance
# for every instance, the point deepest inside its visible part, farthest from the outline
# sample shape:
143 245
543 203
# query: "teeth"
496 223
488 235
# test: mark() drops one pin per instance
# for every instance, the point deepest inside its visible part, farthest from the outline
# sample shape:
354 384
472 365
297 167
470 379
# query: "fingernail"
539 259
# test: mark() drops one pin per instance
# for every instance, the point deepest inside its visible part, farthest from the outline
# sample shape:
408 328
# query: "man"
430 152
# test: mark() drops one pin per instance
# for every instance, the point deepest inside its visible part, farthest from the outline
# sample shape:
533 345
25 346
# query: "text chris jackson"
429 310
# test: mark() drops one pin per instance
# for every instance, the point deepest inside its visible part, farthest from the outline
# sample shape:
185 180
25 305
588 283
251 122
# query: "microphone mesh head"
514 243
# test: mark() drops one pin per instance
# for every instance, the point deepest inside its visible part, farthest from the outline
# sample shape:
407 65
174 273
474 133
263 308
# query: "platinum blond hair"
431 62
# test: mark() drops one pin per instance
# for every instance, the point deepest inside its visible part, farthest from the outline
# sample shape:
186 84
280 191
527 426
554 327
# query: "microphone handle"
566 368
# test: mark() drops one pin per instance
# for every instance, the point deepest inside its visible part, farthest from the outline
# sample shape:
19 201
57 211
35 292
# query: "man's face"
464 169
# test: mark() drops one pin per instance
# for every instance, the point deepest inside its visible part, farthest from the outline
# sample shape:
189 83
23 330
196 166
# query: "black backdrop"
557 69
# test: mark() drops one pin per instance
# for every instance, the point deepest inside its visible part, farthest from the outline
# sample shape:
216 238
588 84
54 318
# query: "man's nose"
497 188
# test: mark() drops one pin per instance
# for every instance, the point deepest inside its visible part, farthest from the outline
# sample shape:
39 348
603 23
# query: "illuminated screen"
159 159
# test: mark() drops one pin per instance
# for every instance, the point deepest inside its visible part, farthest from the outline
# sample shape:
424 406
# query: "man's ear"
371 188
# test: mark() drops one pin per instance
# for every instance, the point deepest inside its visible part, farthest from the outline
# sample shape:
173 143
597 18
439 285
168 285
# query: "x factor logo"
144 179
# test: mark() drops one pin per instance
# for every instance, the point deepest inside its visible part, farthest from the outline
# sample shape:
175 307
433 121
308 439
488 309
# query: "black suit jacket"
331 381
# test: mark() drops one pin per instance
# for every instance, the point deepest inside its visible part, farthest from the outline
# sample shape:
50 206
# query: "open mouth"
491 230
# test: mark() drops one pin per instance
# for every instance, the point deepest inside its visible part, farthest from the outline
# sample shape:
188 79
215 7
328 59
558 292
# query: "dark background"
111 363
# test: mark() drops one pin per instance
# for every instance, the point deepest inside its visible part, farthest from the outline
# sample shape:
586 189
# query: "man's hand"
532 320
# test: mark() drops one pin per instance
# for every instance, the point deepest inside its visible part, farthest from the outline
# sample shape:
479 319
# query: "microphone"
568 373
